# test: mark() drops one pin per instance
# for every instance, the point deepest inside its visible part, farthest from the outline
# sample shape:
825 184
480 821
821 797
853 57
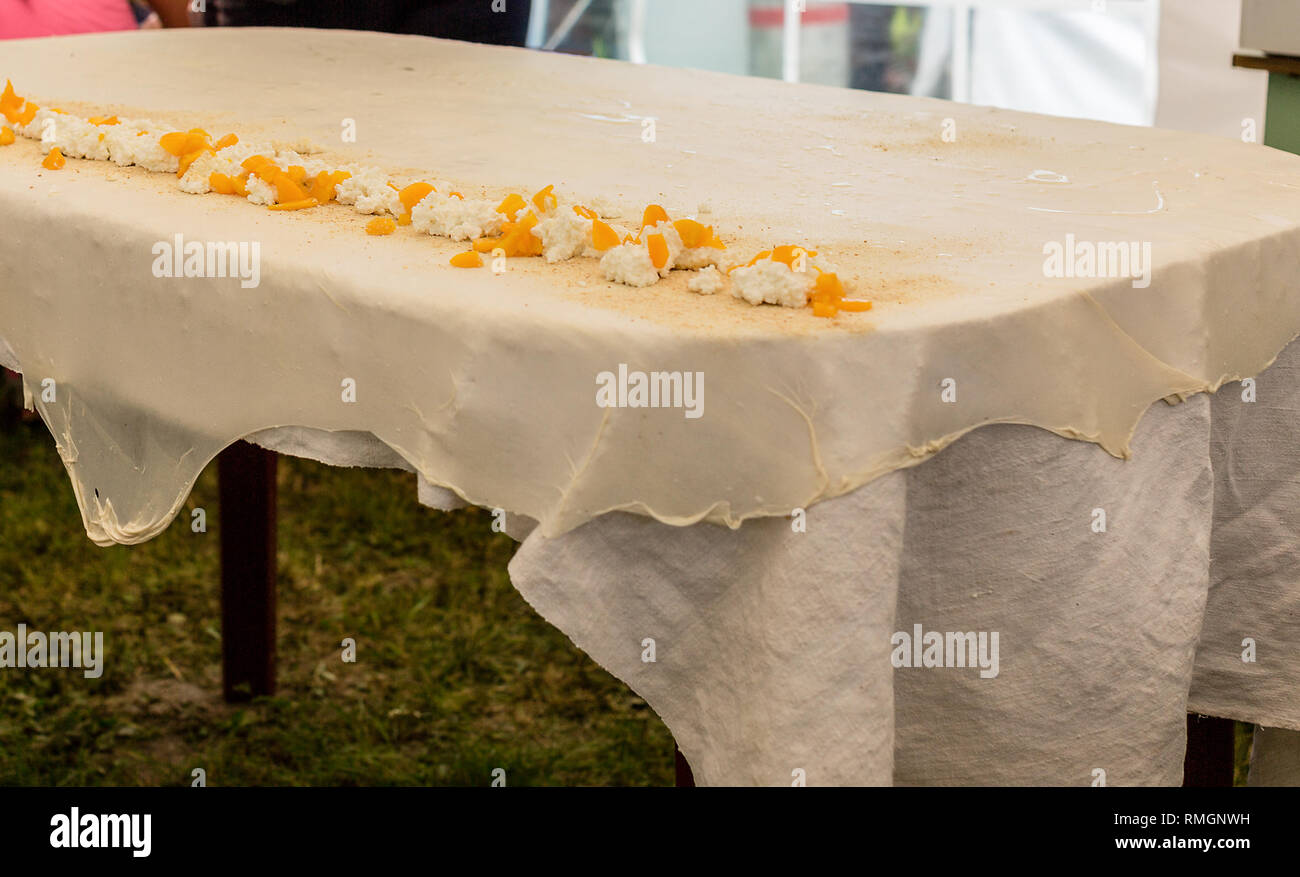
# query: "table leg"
1210 751
246 522
685 779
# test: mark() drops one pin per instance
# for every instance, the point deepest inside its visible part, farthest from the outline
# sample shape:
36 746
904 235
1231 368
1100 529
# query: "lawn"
455 674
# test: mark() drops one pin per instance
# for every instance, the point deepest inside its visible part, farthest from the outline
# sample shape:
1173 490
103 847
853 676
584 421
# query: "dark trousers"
472 20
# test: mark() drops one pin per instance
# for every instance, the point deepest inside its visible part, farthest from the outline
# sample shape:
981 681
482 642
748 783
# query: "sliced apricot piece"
787 253
654 214
658 250
824 309
322 188
517 238
829 284
545 199
10 103
221 183
297 173
28 113
853 305
240 184
55 160
584 212
104 120
286 189
6 135
456 195
325 187
224 142
381 225
414 194
512 204
603 237
180 143
302 204
258 163
692 233
467 259
485 245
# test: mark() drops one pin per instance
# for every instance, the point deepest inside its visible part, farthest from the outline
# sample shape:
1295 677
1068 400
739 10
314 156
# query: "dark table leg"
685 779
1210 751
246 479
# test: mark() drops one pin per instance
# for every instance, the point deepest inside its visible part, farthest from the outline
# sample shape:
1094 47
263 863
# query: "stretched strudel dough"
486 385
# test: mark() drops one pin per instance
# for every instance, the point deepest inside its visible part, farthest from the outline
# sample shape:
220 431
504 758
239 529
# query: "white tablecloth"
772 646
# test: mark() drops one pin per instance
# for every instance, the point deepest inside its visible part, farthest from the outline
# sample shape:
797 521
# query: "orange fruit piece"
456 195
545 199
6 135
829 285
55 160
28 113
602 236
485 245
584 212
658 250
297 173
410 196
381 225
10 103
467 259
325 187
654 214
228 140
517 238
182 143
693 234
294 205
287 189
221 184
260 165
322 188
414 194
512 204
104 120
787 253
240 184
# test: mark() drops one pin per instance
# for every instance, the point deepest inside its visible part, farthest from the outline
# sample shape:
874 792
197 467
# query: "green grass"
455 674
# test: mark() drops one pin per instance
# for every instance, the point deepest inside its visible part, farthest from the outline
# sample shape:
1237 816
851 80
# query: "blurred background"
1137 62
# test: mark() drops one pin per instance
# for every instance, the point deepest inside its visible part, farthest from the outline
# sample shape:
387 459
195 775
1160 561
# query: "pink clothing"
43 18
